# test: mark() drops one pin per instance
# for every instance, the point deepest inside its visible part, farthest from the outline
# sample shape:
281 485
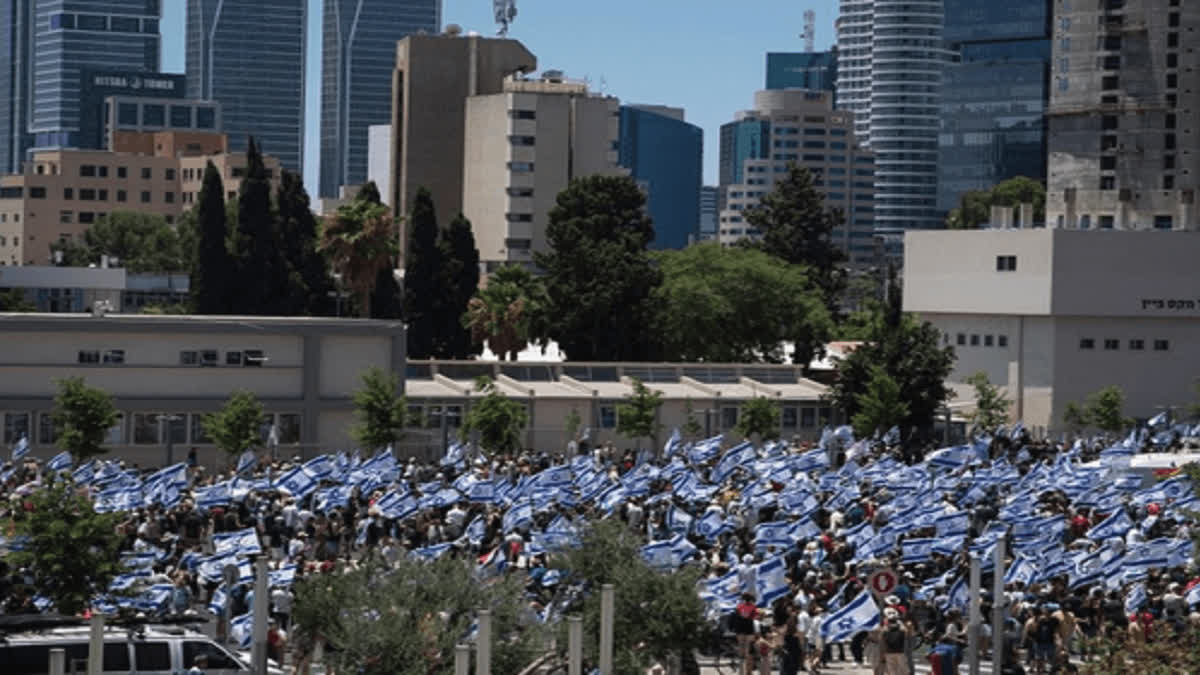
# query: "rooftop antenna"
810 30
505 12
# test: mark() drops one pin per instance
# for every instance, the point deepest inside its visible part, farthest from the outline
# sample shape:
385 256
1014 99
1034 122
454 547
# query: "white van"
151 650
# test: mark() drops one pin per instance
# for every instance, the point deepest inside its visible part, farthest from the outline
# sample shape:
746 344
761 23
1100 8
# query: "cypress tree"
262 277
422 265
460 281
211 277
308 278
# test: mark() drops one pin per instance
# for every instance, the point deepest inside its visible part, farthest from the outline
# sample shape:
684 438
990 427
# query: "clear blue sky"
706 56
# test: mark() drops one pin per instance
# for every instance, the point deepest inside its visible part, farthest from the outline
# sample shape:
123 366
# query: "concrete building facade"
708 212
166 373
1124 116
250 56
1052 315
522 147
433 78
358 51
60 193
78 289
666 154
801 127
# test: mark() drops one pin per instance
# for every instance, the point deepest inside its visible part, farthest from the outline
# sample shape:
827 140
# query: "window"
1087 343
199 433
145 196
519 217
1109 82
16 427
961 340
808 418
729 416
37 192
169 197
87 217
233 358
987 340
206 118
154 115
1137 345
114 356
66 216
1108 183
208 357
1168 183
288 424
102 195
121 195
1006 263
1002 341
518 244
1108 162
253 358
189 358
608 416
520 167
1164 222
217 658
974 340
789 417
1161 345
522 114
87 170
47 435
524 141
152 656
1168 162
145 429
1172 39
146 173
87 195
69 193
89 356
181 116
1111 344
1108 122
1173 20
170 174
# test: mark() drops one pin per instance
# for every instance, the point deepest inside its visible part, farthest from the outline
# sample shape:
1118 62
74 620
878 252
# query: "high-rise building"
379 159
666 154
803 70
994 95
249 55
45 46
358 54
1124 116
890 60
523 146
708 212
801 127
434 77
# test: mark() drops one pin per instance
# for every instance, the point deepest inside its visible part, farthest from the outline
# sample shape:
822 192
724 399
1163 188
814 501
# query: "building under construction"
1124 115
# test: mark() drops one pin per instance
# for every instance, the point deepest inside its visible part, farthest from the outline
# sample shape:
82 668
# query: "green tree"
387 298
637 417
498 419
691 428
15 300
359 240
880 405
798 228
381 411
1101 410
571 424
236 427
1075 417
307 273
72 551
657 615
82 417
910 353
422 277
599 277
975 206
261 270
210 285
991 407
508 313
710 307
759 416
460 281
136 241
406 619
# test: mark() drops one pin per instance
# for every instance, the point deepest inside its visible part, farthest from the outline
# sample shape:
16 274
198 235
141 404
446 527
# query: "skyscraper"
803 70
665 153
44 47
994 95
890 59
358 54
249 56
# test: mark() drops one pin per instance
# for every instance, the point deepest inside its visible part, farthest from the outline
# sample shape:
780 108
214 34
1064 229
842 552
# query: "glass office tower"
803 70
994 95
665 153
358 55
249 56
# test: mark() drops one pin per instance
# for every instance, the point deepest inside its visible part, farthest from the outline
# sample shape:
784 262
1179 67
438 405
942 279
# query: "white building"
379 158
1053 315
522 147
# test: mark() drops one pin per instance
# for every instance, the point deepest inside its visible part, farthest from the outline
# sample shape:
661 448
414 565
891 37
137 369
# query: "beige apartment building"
60 193
522 147
434 77
800 126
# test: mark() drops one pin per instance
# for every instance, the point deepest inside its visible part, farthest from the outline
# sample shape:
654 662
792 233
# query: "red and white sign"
882 582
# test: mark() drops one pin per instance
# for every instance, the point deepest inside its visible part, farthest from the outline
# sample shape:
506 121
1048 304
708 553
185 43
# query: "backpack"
893 640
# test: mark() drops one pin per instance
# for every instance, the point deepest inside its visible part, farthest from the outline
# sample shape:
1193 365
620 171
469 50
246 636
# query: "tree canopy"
498 419
381 411
359 241
991 407
237 426
599 277
737 305
459 282
759 417
1103 410
974 208
637 416
880 406
135 240
508 313
422 277
211 288
82 417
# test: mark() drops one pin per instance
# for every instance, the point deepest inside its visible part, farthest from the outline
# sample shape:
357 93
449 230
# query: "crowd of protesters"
1047 624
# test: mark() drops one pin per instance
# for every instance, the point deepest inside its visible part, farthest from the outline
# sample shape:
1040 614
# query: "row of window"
101 171
250 358
976 340
101 22
155 115
154 428
1135 345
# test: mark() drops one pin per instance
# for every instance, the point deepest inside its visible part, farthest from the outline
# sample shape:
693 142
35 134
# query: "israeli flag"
455 454
674 444
1159 420
668 554
958 596
703 451
1116 525
241 630
770 581
430 553
84 474
297 482
475 531
283 577
214 495
892 437
518 517
20 449
1017 430
1193 597
1135 599
712 525
860 615
679 521
482 492
219 601
59 462
916 550
126 581
246 462
554 477
845 435
953 524
241 542
331 498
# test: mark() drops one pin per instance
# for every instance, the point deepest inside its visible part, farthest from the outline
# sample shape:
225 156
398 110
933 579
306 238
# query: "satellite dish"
454 30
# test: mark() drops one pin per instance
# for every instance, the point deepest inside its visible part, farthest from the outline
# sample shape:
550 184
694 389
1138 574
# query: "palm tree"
360 242
507 312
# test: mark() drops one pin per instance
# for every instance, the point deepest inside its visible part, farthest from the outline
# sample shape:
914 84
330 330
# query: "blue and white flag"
770 581
712 525
475 531
219 601
123 582
703 451
241 542
1193 597
455 454
953 524
20 449
1159 420
674 444
59 462
1135 599
916 550
553 477
740 455
892 437
860 615
669 553
213 495
430 553
247 461
1116 525
283 577
241 630
519 517
679 521
297 482
958 596
482 492
83 475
